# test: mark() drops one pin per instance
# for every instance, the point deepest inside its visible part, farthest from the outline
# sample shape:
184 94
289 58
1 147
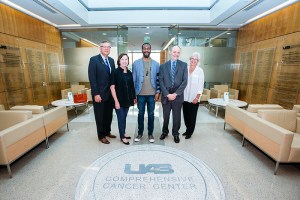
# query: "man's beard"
146 55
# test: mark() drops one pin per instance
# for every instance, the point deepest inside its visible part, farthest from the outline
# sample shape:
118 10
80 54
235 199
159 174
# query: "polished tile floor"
245 172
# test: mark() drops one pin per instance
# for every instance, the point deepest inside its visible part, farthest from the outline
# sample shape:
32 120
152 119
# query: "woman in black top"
123 92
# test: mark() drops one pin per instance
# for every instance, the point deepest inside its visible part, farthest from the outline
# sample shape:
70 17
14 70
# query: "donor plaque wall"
287 82
35 79
269 71
13 75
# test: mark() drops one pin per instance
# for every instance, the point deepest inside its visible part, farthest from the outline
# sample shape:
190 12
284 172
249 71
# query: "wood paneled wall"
277 33
280 23
83 43
25 32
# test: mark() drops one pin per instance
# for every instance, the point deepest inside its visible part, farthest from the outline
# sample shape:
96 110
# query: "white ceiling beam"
149 17
73 9
224 9
139 3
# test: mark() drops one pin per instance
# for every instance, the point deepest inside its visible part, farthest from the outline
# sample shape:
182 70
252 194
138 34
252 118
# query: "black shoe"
163 136
127 137
184 134
176 139
188 136
127 143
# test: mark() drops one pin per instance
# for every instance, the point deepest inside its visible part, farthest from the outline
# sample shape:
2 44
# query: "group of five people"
120 88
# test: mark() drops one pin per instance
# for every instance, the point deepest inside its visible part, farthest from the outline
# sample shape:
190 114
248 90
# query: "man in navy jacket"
100 68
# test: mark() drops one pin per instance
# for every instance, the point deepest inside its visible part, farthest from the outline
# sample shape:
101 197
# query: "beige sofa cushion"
33 108
298 125
296 108
222 88
283 118
76 88
9 118
19 131
295 149
53 114
255 107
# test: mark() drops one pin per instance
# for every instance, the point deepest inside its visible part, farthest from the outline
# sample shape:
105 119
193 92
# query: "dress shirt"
107 62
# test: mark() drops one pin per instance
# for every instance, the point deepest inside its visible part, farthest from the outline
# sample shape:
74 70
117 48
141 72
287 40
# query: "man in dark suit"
100 68
173 80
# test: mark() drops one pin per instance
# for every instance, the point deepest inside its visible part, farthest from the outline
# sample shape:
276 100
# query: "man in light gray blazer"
145 72
173 77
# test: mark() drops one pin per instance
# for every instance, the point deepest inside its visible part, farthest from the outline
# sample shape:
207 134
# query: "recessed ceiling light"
148 27
179 33
228 33
65 38
103 33
147 33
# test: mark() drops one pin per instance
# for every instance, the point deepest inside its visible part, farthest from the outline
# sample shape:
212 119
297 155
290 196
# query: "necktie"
107 65
173 73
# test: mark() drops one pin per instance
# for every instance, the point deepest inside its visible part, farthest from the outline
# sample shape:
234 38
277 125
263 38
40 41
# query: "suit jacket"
99 78
180 80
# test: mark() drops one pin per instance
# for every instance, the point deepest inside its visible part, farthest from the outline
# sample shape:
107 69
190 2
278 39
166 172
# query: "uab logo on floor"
148 168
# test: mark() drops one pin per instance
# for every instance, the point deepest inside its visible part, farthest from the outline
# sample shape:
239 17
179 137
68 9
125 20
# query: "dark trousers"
122 115
142 100
103 115
175 107
190 116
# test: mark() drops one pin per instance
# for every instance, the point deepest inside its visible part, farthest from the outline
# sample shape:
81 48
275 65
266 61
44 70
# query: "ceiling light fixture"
90 42
251 4
68 25
210 39
170 42
147 33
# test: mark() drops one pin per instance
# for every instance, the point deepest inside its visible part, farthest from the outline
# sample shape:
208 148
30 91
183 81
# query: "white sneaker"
151 138
138 138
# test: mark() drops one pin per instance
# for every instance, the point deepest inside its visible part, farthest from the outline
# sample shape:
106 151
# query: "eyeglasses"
105 47
194 59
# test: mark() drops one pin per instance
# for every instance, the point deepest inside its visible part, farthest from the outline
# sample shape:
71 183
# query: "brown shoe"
104 141
111 136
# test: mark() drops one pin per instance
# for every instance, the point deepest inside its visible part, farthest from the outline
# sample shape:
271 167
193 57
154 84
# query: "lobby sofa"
24 127
53 118
19 133
274 131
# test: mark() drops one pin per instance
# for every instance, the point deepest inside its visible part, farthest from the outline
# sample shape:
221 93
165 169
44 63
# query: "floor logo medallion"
149 172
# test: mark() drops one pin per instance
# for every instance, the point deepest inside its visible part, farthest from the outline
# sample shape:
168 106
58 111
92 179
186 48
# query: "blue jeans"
142 100
122 115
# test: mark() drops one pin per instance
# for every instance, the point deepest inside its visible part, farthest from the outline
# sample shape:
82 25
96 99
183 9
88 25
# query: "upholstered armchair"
76 89
218 92
297 109
205 95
